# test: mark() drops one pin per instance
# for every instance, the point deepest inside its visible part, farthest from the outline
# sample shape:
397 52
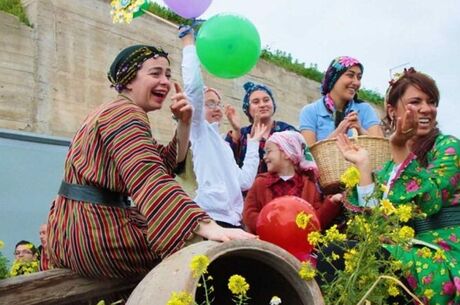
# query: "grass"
14 7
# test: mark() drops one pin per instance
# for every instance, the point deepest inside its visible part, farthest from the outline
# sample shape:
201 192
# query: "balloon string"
159 18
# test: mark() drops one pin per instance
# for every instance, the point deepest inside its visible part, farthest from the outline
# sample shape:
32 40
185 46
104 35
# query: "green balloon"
228 45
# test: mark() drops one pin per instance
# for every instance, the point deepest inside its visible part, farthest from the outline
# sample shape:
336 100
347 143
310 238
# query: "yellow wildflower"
307 272
406 233
424 252
393 290
302 220
439 255
350 177
2 244
199 265
404 212
428 293
334 256
350 260
314 238
180 298
384 188
396 265
387 207
332 234
238 285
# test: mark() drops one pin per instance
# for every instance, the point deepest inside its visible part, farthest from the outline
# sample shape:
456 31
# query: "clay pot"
268 269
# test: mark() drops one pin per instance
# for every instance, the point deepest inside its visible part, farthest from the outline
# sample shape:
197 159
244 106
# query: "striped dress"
114 149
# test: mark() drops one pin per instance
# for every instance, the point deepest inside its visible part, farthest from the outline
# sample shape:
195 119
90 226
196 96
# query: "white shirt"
220 180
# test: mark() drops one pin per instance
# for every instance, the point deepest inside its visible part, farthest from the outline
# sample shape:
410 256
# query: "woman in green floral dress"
424 170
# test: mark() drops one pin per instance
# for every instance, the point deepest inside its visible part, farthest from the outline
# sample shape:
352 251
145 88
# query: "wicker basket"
332 164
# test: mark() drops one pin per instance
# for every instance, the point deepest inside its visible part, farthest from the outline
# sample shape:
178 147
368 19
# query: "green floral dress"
433 269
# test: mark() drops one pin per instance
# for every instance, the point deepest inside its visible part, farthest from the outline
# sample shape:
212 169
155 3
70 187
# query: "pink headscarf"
293 145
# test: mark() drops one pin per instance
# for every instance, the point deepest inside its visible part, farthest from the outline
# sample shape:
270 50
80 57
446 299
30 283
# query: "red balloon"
277 224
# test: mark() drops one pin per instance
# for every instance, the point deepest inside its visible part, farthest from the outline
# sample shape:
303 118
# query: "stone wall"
53 74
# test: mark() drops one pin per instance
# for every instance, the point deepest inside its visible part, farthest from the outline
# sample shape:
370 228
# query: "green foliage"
4 272
167 14
285 60
14 7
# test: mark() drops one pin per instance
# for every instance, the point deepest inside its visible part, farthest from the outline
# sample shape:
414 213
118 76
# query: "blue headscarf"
250 87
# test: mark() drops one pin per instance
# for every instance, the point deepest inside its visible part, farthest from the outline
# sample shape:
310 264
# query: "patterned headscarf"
293 145
337 67
125 66
250 87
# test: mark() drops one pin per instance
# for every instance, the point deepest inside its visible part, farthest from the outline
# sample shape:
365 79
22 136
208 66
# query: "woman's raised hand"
351 151
406 128
232 117
181 107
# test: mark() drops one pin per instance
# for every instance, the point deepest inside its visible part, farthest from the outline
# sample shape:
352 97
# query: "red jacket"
260 194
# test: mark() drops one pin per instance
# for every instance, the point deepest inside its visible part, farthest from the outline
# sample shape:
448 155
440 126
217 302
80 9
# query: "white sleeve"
193 86
363 196
248 172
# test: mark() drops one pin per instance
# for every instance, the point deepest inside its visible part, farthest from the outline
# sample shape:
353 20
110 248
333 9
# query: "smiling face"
277 161
261 105
151 85
347 85
213 107
426 109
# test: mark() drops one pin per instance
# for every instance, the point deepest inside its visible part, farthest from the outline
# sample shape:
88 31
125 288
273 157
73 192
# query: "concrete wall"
53 74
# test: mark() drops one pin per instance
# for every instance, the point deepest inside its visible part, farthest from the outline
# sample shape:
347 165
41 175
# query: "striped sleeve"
171 215
169 155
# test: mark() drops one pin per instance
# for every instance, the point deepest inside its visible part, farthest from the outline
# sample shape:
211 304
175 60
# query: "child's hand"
257 131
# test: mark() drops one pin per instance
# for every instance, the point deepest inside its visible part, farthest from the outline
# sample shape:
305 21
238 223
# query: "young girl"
291 171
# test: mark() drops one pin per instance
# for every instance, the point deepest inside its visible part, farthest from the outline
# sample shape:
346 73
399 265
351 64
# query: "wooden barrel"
269 270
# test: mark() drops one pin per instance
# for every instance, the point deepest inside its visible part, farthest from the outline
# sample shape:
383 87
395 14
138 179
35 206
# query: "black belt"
447 217
93 194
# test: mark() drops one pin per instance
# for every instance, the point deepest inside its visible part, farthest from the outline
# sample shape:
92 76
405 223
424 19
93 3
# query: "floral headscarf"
337 67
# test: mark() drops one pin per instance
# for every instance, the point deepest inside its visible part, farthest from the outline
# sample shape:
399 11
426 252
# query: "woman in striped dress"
92 227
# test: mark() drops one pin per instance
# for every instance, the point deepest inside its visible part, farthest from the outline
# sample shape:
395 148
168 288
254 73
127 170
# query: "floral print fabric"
432 262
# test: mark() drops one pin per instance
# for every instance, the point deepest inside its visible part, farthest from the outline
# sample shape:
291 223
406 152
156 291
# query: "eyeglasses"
23 252
213 105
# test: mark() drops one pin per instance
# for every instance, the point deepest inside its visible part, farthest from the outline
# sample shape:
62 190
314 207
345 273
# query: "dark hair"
25 242
397 88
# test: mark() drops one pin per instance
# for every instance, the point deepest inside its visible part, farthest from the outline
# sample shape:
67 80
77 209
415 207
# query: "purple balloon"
188 8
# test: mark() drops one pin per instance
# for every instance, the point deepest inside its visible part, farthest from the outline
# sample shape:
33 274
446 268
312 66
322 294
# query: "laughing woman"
424 170
92 227
339 110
